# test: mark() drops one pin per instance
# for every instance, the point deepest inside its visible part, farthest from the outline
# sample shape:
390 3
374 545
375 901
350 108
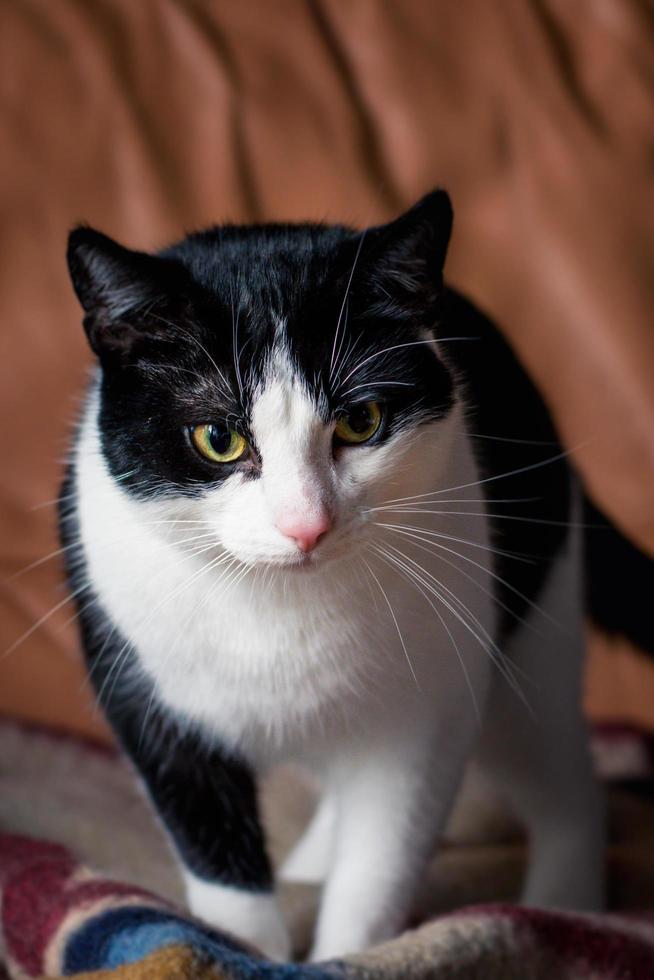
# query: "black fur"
619 582
512 434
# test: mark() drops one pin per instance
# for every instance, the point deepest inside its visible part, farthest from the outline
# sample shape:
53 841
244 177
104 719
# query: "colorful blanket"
59 918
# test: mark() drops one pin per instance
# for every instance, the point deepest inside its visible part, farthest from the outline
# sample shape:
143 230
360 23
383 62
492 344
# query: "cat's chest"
258 665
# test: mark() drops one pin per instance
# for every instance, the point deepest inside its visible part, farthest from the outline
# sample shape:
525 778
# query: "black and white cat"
317 512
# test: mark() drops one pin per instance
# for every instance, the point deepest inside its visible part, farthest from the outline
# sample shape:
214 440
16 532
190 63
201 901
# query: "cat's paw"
254 917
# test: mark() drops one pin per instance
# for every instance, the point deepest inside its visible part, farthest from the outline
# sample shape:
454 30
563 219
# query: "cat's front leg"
207 800
254 916
392 804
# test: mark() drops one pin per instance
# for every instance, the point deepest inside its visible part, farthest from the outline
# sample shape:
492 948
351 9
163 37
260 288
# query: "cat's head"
276 382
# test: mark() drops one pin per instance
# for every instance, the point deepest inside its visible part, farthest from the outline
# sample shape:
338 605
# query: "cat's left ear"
121 291
409 252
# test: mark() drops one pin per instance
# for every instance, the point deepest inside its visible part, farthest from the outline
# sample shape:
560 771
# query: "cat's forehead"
294 308
279 309
283 407
267 268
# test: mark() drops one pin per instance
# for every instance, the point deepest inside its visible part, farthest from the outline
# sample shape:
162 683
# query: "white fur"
251 916
334 659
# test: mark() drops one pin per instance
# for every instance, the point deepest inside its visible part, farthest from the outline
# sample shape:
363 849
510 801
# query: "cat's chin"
304 564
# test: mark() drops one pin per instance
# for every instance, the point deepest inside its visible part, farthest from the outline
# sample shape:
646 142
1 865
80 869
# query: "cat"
316 511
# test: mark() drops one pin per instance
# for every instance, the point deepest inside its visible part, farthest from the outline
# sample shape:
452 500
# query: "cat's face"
273 384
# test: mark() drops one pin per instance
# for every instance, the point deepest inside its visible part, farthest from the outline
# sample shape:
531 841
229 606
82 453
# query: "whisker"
194 339
459 500
504 517
392 563
40 561
343 304
235 351
209 594
35 626
111 633
397 627
489 592
78 542
500 476
488 571
411 343
472 544
123 653
524 442
376 384
485 640
344 357
454 598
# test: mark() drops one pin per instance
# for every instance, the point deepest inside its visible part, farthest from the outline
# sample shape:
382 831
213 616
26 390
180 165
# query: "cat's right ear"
123 292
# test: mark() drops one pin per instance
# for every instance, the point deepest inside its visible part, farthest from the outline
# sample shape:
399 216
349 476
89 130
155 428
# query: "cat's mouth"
342 544
303 562
324 555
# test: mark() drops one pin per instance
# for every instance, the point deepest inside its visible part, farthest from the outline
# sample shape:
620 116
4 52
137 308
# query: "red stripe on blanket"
16 852
28 898
595 946
602 948
39 891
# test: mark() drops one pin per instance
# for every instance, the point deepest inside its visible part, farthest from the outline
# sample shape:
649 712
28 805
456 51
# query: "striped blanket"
60 918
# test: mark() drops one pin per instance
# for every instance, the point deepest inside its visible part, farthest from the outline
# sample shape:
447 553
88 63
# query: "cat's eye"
359 424
218 443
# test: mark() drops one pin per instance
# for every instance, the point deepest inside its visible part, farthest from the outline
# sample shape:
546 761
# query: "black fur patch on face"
186 337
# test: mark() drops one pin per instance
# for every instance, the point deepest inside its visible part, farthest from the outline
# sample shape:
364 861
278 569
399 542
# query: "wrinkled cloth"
60 919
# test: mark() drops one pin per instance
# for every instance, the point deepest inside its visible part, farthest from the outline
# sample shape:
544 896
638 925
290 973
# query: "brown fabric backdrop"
152 117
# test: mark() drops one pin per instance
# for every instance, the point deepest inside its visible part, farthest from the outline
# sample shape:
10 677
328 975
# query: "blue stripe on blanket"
126 935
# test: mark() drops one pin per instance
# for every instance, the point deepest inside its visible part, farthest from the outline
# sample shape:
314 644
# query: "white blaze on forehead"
294 443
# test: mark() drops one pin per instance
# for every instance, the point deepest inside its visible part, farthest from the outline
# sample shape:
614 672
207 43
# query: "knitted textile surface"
58 917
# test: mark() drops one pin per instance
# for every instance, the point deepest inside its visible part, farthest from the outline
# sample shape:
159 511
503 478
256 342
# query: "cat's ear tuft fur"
410 251
119 290
426 228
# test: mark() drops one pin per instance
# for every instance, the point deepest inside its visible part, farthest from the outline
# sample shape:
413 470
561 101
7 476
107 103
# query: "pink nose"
305 531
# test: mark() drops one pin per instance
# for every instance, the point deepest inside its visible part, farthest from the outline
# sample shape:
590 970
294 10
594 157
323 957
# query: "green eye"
359 424
218 443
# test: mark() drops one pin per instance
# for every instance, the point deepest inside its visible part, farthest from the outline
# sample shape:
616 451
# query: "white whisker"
386 350
194 339
397 627
435 544
514 556
333 359
235 351
123 653
499 476
479 633
42 619
458 500
376 384
407 509
392 562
